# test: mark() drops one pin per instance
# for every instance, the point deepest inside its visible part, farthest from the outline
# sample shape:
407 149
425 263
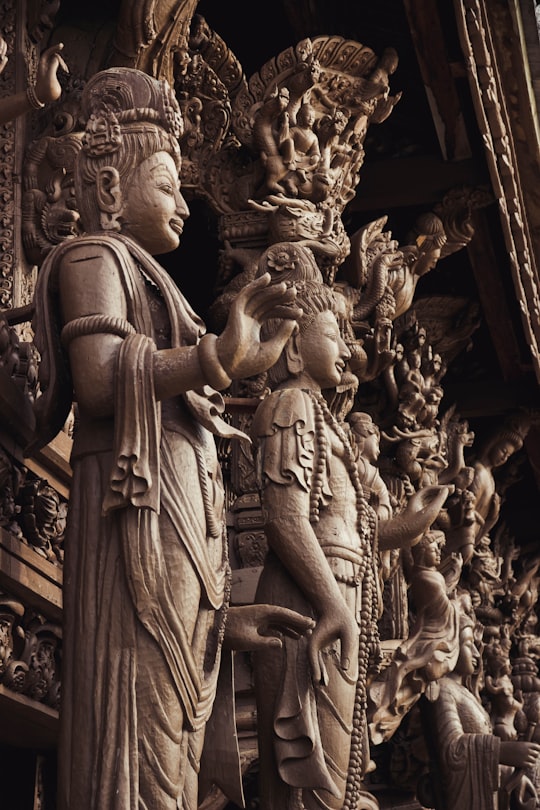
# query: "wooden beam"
29 577
430 45
502 322
27 723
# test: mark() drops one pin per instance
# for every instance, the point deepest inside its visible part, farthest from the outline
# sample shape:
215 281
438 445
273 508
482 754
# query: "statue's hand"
240 350
519 754
48 87
337 623
255 627
429 499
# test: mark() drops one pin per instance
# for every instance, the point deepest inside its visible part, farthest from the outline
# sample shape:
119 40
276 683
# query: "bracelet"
33 100
214 373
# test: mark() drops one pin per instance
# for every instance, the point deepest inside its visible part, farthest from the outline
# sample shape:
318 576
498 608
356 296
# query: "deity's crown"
117 97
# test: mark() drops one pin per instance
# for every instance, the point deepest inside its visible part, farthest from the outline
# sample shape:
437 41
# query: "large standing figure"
146 571
320 531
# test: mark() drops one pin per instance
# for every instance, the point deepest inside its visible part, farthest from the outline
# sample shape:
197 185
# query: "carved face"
468 654
501 452
324 352
153 210
431 556
371 449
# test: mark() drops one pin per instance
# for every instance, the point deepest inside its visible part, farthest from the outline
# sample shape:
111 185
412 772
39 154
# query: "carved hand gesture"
337 623
240 350
519 754
48 87
253 627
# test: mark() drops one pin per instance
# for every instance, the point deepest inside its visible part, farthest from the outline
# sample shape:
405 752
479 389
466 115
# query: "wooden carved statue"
146 572
320 532
320 529
495 452
385 275
431 649
477 768
406 526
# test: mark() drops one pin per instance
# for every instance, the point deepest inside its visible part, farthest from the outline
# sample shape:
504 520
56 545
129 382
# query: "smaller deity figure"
430 651
335 151
305 153
495 452
504 707
525 678
270 131
386 275
404 528
469 754
11 613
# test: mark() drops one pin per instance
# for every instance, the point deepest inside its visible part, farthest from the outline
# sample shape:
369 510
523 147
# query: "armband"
33 100
95 325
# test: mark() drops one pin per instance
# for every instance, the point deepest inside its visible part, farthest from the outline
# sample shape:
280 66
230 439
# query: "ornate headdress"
118 97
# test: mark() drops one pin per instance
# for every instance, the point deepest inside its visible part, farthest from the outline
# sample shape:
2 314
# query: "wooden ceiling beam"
501 322
431 51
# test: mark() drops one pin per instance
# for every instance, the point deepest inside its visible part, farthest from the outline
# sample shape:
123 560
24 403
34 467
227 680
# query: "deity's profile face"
324 352
468 653
154 210
501 452
432 553
429 257
371 449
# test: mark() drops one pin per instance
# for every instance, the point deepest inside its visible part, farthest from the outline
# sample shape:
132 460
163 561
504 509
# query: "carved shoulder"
289 408
90 281
284 434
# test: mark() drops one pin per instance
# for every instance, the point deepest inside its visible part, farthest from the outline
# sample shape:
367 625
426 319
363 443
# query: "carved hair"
363 424
130 116
513 431
428 230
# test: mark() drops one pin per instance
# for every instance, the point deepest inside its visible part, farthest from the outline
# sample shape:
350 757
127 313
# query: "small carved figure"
386 275
11 613
495 452
306 153
146 575
431 649
469 754
421 509
270 132
500 690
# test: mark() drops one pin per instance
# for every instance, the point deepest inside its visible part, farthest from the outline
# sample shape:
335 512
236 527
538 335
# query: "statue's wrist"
211 366
33 99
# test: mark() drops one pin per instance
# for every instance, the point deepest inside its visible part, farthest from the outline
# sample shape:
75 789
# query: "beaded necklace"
366 518
369 646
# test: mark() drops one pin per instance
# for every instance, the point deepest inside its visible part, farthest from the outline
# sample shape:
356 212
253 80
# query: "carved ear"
293 355
109 198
